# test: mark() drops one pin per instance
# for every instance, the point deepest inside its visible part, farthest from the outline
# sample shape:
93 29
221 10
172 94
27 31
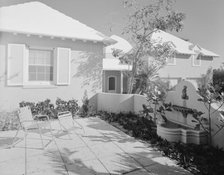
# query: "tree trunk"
210 127
131 84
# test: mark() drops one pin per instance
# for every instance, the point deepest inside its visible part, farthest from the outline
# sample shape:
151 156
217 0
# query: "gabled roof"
39 19
180 45
121 44
115 64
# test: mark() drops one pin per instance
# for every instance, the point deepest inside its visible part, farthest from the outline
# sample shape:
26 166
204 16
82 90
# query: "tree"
156 94
144 20
218 78
210 94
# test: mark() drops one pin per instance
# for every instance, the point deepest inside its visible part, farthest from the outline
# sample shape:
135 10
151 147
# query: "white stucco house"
190 63
46 54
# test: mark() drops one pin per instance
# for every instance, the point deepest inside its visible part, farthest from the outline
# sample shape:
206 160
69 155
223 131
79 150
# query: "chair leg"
65 129
81 127
14 138
25 146
51 130
40 135
69 135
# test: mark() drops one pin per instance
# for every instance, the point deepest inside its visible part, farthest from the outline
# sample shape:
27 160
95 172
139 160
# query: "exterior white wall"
117 102
86 68
184 69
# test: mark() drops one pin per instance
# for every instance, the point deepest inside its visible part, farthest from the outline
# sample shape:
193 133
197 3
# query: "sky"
204 23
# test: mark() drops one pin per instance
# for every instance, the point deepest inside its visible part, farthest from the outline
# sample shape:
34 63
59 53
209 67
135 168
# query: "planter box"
181 134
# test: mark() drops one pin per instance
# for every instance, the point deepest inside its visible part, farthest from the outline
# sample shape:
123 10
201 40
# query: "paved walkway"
102 149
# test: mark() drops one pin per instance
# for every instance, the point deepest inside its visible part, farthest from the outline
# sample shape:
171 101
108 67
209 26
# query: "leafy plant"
85 104
71 105
40 108
156 93
8 121
209 95
48 108
218 78
86 109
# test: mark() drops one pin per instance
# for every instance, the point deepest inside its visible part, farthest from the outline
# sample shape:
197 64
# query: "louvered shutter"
62 66
15 62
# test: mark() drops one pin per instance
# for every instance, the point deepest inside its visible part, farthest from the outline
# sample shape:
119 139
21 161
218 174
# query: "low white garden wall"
117 103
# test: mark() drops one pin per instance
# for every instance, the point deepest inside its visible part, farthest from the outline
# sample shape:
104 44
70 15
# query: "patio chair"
29 122
66 122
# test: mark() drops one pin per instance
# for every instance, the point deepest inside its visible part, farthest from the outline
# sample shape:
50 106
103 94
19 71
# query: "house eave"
107 41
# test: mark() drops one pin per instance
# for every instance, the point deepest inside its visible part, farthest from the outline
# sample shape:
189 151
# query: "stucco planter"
181 134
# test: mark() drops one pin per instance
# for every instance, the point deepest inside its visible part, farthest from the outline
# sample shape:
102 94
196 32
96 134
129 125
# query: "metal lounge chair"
66 122
28 122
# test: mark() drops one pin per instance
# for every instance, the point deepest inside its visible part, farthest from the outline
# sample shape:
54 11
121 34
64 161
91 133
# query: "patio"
101 149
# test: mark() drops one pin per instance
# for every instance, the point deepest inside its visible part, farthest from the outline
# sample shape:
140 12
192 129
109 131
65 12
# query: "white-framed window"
112 83
40 65
196 60
171 61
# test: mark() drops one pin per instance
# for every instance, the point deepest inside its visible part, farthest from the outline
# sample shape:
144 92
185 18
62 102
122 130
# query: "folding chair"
27 123
66 121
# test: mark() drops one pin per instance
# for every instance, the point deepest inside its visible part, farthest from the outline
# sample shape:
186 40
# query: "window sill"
171 64
39 86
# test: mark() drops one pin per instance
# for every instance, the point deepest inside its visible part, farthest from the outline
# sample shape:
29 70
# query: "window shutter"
62 66
15 58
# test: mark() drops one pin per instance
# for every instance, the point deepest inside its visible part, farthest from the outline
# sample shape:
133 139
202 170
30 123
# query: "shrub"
47 108
140 127
8 121
218 78
41 108
71 105
85 108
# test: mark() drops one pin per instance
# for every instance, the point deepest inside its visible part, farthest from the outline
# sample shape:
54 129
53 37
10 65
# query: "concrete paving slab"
90 167
99 124
48 161
120 164
106 150
6 138
159 169
102 149
76 155
50 171
11 154
33 143
13 166
139 172
92 140
136 148
73 143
